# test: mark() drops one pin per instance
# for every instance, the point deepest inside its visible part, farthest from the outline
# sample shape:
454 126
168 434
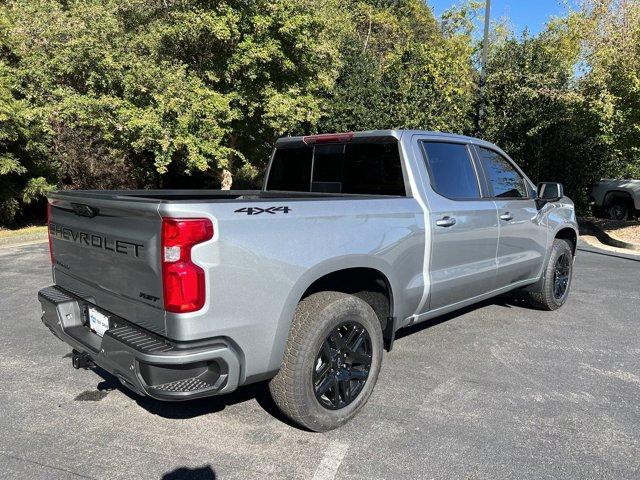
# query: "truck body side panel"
258 266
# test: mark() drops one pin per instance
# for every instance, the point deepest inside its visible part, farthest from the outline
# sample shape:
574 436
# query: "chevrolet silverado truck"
183 293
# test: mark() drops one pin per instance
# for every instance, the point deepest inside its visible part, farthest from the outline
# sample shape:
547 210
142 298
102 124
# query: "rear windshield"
356 168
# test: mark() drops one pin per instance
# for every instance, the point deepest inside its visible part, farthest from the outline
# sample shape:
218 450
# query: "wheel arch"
564 232
359 281
612 195
570 234
331 275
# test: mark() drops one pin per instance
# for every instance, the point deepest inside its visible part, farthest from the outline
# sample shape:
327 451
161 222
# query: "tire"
546 295
619 210
310 354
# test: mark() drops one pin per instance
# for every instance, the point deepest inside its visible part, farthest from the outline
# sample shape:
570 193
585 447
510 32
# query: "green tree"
610 32
566 103
175 93
140 93
22 168
531 105
402 69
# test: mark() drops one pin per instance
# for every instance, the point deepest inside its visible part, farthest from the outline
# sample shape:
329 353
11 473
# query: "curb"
587 226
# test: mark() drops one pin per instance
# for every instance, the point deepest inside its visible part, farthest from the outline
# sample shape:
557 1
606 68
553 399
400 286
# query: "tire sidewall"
559 247
624 214
345 309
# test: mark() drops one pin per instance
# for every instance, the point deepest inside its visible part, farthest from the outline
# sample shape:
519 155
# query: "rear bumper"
144 362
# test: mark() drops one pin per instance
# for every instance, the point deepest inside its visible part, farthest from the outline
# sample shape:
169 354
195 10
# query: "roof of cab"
398 134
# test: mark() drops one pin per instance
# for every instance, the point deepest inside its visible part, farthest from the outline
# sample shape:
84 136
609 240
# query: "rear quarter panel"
258 266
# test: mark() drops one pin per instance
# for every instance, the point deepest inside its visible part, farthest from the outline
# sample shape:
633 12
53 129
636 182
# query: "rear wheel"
554 289
331 362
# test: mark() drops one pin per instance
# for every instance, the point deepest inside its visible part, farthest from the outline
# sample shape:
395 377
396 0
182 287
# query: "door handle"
446 222
506 216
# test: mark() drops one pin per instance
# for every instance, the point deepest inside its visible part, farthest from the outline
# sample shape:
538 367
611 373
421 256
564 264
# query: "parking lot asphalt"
494 391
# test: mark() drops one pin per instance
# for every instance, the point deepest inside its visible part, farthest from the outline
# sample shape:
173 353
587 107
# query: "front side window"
504 180
451 170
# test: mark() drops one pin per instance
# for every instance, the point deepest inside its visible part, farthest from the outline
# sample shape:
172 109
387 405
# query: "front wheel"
619 210
554 289
331 361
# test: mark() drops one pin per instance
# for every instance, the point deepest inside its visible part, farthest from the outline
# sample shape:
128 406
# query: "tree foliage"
401 69
174 93
566 103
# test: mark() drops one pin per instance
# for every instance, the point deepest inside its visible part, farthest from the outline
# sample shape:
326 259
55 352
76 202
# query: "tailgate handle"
84 210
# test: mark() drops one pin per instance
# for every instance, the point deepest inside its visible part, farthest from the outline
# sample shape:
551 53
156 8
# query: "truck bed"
107 244
196 195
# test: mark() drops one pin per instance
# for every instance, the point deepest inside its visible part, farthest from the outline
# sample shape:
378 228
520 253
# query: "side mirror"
550 192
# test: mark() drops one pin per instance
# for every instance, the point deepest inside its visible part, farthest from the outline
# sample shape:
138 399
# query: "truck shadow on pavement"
198 407
507 300
184 473
260 391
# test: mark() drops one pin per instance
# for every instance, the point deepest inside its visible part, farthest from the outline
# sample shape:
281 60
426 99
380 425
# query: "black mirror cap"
550 191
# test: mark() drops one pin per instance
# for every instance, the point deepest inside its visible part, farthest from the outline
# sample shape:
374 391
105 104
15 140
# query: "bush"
138 94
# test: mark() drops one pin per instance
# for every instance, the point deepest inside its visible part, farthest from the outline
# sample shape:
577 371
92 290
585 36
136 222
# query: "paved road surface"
496 391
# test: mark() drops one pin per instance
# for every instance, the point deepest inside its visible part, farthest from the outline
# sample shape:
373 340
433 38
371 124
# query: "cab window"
363 167
451 170
504 180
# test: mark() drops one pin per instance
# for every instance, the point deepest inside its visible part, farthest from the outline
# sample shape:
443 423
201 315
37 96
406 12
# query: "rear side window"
504 180
291 170
451 170
355 168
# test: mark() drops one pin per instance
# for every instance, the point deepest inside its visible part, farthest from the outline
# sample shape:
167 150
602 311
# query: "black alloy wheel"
561 275
552 290
342 365
331 361
618 211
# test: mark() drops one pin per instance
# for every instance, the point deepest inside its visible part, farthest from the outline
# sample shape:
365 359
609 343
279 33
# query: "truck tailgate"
105 249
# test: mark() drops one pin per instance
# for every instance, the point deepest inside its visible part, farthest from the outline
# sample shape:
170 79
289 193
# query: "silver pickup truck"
185 294
616 199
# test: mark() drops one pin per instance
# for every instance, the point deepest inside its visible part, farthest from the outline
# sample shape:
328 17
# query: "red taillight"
182 280
328 138
49 207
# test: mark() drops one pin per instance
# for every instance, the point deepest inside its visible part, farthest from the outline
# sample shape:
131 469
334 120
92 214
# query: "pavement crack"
45 465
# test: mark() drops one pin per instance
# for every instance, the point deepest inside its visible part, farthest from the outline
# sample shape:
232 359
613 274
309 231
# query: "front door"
522 234
464 226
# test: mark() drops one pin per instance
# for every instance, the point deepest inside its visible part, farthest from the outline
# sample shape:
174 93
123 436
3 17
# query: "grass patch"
26 233
35 229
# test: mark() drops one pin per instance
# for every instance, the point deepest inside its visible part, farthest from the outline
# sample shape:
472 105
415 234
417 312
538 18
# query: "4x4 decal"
258 211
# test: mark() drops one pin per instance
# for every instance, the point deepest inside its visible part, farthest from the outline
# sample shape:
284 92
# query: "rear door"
106 250
464 226
522 232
